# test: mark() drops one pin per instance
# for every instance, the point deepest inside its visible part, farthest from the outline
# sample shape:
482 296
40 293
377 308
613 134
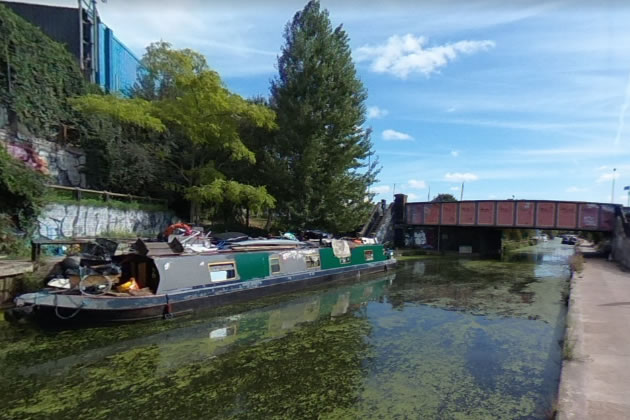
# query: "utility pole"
627 188
461 195
612 194
429 194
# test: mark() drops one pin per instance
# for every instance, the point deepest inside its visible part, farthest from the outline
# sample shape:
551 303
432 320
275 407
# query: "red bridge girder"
518 214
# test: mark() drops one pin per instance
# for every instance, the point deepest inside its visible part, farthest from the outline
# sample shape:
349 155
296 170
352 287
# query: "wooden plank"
15 268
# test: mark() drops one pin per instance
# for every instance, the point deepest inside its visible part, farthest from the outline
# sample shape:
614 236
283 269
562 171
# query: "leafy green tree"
321 145
201 118
444 198
22 198
162 66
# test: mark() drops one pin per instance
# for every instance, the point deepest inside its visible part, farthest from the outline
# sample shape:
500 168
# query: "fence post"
77 193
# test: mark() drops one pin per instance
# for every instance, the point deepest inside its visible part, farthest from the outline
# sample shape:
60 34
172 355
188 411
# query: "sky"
528 100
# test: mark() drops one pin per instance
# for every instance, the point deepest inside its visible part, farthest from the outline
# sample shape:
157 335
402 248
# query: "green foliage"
37 74
58 197
133 111
21 201
200 120
220 190
21 191
577 263
163 66
513 234
321 145
444 198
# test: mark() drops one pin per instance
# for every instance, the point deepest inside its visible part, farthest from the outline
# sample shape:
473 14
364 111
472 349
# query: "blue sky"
528 99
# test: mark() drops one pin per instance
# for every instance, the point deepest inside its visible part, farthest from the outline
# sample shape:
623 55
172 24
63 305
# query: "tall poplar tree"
324 149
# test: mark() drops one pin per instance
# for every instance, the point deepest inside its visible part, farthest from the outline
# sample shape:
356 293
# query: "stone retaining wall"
62 162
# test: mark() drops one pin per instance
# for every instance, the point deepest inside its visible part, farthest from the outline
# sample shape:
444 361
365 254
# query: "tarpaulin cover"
341 248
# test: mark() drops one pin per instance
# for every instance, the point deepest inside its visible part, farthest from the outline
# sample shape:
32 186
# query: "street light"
612 194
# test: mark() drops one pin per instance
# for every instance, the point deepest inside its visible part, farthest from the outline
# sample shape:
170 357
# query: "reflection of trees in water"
463 284
305 353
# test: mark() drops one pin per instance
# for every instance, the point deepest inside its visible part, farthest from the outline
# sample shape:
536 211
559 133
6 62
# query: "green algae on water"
440 338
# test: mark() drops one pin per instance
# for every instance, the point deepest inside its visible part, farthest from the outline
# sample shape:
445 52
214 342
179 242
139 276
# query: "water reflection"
440 338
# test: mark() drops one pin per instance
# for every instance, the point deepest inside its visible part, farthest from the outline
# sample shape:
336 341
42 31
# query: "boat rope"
65 318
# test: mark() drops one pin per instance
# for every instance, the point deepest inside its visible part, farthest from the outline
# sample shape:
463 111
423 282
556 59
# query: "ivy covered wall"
37 75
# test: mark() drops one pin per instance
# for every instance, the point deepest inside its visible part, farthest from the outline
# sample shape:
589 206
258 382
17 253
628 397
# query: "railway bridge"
476 226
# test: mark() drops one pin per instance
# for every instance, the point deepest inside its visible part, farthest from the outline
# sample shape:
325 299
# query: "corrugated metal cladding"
59 23
118 66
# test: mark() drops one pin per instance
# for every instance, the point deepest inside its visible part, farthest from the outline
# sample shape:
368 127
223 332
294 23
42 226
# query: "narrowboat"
154 281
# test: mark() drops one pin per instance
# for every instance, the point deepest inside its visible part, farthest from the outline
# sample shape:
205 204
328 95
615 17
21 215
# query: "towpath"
595 382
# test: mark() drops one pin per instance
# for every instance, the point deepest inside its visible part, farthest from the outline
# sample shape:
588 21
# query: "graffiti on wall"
419 238
63 163
29 156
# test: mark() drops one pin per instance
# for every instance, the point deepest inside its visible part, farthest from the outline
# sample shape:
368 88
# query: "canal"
437 338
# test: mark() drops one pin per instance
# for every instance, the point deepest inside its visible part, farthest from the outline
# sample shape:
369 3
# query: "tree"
200 118
444 198
321 144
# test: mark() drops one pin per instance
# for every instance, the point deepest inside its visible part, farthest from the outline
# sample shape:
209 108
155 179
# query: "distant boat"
156 282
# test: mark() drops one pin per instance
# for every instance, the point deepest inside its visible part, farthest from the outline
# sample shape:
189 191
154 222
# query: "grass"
568 350
95 200
121 234
510 245
577 263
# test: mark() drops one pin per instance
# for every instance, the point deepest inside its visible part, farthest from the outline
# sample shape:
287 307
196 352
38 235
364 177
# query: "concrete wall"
62 163
65 220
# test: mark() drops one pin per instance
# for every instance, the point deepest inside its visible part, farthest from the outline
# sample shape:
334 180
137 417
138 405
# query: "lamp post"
612 194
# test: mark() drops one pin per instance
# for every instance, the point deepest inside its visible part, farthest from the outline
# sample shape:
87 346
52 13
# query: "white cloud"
414 183
393 135
454 153
375 112
412 196
608 176
575 189
492 196
402 55
454 188
459 177
380 189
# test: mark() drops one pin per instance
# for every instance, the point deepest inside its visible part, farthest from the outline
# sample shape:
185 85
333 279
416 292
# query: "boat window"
312 261
274 265
222 271
344 260
369 255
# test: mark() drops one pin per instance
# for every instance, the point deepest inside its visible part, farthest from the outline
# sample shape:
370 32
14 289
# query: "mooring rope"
65 318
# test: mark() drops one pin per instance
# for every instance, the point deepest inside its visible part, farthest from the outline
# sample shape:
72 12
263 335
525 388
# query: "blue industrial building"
103 58
118 67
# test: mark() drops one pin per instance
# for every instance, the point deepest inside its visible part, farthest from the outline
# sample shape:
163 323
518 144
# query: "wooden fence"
106 195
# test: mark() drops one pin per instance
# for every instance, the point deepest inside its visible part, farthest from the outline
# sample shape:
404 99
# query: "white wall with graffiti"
71 220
